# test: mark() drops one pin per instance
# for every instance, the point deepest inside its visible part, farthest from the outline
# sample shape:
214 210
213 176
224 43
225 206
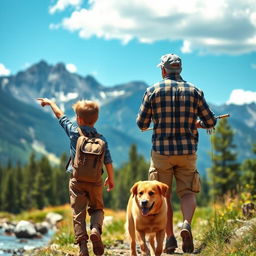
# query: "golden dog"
147 214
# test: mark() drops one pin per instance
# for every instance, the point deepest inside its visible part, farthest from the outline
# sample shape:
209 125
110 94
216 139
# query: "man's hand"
44 101
199 124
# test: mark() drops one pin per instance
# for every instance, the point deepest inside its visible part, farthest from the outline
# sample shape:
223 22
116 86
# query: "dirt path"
124 251
121 248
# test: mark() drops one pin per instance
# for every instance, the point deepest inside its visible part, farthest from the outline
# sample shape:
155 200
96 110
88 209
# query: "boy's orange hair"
87 110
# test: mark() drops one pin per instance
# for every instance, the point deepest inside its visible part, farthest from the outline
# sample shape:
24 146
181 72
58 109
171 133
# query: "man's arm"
56 110
207 117
145 113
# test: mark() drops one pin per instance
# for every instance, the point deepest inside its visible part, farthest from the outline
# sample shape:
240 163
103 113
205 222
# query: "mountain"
26 126
23 129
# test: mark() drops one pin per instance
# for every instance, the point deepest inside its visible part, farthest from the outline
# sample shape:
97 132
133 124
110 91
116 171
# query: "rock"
25 229
53 218
42 227
248 209
8 227
244 230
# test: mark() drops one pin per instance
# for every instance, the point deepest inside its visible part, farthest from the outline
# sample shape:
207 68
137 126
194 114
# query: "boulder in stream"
25 229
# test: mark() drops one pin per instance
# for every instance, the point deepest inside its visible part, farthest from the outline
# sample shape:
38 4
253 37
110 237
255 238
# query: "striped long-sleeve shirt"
174 106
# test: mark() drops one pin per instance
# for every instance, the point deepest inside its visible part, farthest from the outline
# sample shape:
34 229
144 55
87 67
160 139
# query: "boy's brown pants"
83 195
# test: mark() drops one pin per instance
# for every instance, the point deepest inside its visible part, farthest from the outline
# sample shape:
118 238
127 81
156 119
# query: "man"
174 106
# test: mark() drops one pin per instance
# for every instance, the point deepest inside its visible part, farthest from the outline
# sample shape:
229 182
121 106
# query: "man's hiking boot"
97 245
187 238
170 245
83 248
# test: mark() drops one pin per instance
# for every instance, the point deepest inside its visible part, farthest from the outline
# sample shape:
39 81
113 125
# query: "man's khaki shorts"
182 167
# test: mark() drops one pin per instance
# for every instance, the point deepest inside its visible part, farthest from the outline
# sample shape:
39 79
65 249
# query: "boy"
83 193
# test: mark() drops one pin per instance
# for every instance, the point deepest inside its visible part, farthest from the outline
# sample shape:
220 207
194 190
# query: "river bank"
18 237
11 245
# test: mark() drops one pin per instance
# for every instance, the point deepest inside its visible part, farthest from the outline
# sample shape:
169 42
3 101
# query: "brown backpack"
88 161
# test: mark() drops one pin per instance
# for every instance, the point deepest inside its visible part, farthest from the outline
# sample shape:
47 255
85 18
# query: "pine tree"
62 180
1 186
225 170
248 178
10 196
38 191
46 172
28 181
19 181
134 170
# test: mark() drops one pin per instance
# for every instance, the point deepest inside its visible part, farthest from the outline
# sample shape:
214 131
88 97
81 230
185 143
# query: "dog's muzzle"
145 209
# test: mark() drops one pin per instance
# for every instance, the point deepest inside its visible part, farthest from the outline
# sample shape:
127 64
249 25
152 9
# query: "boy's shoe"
83 248
170 245
187 238
97 245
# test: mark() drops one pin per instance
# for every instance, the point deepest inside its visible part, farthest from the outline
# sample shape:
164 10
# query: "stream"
10 245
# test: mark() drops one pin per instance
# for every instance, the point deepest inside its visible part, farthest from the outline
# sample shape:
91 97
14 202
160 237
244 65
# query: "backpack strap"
68 162
80 131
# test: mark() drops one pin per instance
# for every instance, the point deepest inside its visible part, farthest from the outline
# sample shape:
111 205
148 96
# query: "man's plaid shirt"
174 105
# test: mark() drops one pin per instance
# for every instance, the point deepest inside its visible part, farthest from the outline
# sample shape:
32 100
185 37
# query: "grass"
218 236
63 241
35 215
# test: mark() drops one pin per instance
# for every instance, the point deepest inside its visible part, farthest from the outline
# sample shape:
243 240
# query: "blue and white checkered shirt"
174 106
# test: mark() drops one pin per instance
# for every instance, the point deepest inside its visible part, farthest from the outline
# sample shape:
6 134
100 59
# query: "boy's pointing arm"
56 110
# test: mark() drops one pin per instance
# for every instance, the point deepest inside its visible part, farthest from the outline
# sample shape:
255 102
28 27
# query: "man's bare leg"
188 206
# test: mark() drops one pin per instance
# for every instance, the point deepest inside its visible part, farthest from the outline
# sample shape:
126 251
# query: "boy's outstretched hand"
56 110
44 101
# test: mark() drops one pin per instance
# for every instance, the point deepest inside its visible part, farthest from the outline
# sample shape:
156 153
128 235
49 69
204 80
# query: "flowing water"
10 244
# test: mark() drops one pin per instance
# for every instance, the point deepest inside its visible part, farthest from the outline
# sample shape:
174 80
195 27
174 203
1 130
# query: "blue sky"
122 41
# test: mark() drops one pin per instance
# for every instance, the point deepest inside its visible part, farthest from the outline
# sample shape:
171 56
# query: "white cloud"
219 26
65 98
240 97
186 48
71 68
61 5
4 71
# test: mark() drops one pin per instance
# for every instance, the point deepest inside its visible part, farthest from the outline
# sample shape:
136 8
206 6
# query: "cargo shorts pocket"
153 174
196 182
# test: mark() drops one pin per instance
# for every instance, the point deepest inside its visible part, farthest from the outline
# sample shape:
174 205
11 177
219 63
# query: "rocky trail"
121 248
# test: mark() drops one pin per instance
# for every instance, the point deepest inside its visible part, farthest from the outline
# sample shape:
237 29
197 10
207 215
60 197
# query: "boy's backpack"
88 161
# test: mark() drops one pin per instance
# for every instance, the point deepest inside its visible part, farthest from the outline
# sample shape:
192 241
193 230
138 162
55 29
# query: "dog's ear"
163 188
134 188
